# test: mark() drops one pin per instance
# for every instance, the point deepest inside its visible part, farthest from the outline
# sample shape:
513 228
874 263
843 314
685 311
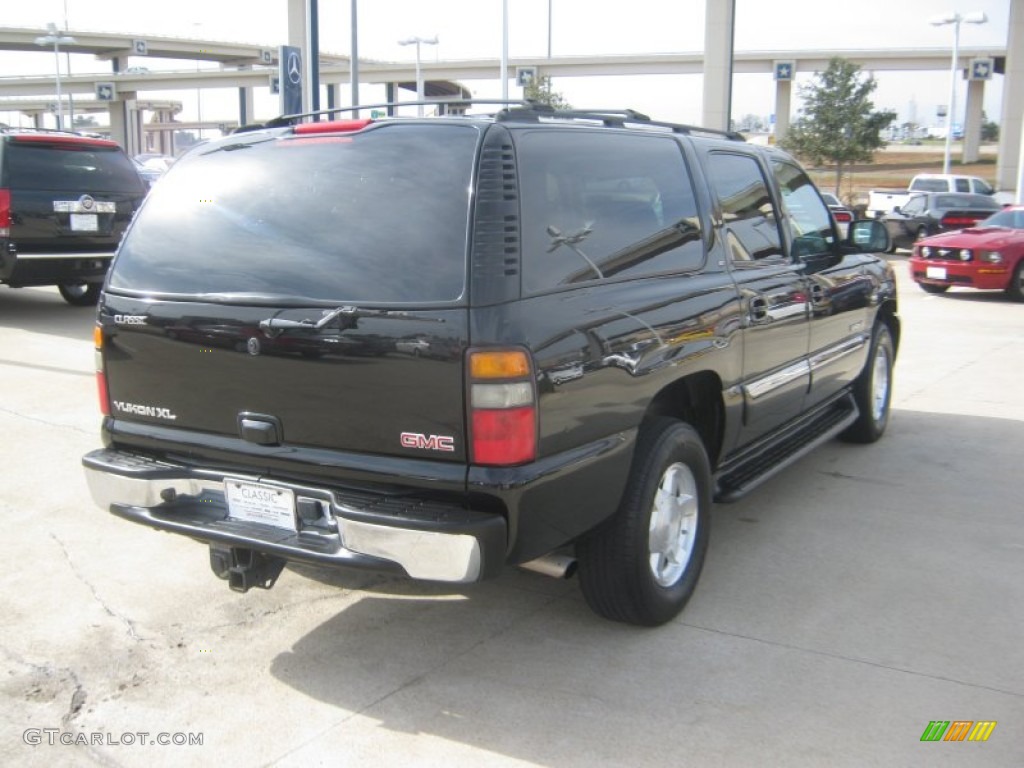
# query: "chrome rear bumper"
424 539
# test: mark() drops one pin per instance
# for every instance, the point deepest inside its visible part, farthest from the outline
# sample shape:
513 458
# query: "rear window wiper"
236 145
274 326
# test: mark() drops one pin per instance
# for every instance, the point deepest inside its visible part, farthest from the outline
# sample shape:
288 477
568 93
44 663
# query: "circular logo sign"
87 202
294 68
253 345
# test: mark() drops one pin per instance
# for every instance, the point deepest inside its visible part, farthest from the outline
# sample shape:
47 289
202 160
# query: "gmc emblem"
425 443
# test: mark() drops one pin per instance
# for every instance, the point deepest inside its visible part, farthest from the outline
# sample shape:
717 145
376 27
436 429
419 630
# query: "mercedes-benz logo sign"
86 202
294 69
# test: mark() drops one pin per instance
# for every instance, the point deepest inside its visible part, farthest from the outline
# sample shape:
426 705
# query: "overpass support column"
126 123
783 105
718 37
972 124
1013 102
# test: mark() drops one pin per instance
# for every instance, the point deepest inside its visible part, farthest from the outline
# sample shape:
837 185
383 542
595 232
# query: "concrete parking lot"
846 604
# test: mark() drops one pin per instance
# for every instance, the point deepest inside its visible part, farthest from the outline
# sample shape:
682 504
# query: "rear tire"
642 565
873 389
80 294
933 288
1015 290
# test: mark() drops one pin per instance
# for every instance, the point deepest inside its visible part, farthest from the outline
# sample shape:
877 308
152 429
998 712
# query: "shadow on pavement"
880 561
42 310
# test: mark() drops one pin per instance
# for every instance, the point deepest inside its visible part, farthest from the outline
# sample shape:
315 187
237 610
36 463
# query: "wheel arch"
697 400
887 314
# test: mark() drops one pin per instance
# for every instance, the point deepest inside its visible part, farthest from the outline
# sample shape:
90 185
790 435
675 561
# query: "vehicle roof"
960 198
944 176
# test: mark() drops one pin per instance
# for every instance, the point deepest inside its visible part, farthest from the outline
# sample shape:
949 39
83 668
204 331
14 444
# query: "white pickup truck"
883 201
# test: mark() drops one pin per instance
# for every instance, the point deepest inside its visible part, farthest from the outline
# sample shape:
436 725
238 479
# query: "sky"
472 29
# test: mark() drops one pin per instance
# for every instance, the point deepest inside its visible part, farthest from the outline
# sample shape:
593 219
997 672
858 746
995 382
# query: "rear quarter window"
375 216
599 205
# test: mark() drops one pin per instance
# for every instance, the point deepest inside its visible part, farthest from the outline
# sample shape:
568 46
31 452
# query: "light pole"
55 38
955 19
197 26
417 41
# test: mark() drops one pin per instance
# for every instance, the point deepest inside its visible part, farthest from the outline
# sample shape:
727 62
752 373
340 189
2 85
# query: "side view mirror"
896 209
869 236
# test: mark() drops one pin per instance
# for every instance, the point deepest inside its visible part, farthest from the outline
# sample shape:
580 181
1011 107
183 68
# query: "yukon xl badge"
145 410
428 443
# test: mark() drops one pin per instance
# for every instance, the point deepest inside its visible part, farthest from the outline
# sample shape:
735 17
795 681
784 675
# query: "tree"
989 129
539 89
837 124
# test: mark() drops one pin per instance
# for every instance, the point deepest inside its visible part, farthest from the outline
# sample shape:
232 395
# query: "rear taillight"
101 376
502 408
959 220
5 213
843 217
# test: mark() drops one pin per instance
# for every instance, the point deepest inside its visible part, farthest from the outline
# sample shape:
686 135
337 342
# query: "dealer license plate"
936 273
255 503
84 222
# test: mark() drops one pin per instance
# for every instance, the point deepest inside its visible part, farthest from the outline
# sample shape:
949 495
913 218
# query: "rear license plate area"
84 222
257 503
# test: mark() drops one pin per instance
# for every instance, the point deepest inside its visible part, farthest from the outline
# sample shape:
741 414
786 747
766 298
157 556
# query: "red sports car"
988 255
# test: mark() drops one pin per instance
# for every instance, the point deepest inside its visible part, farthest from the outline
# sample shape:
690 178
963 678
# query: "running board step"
762 461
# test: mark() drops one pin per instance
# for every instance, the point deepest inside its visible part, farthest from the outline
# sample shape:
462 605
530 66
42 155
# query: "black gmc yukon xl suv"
65 201
440 346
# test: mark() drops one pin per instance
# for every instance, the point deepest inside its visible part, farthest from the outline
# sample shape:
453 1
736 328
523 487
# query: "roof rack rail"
292 119
619 118
514 109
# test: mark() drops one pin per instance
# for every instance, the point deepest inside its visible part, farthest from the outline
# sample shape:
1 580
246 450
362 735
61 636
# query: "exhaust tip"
554 565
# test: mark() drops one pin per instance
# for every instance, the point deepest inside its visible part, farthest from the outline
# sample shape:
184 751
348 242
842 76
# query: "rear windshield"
48 167
966 201
375 216
930 185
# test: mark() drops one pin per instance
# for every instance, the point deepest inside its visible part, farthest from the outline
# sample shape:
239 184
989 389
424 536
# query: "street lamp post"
55 38
955 19
417 41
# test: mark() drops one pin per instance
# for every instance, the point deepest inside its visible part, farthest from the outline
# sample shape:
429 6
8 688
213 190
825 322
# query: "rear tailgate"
312 283
385 384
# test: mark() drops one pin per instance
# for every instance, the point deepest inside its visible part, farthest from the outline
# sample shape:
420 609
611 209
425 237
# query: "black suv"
439 346
65 201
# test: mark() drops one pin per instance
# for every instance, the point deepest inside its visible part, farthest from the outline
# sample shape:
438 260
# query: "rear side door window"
600 205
